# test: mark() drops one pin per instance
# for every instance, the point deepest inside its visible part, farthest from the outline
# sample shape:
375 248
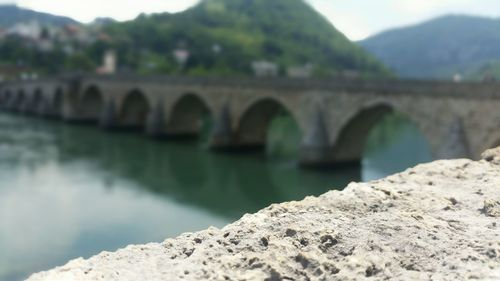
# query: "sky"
357 19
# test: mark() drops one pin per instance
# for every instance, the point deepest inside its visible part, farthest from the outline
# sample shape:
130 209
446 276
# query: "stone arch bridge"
335 116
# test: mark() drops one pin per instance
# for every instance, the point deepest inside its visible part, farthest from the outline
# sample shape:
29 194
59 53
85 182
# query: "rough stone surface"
492 155
438 221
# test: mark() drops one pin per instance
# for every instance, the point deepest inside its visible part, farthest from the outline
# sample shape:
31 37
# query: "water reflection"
395 143
68 191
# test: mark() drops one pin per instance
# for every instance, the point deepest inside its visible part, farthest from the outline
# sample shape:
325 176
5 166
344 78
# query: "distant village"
71 38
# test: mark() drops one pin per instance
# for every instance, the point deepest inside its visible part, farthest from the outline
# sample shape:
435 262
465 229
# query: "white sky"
355 18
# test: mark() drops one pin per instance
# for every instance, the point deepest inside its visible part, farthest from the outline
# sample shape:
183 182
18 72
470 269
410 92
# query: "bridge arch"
134 110
91 104
351 140
188 115
256 119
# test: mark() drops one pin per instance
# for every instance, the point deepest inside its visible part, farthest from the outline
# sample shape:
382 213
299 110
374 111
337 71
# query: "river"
69 191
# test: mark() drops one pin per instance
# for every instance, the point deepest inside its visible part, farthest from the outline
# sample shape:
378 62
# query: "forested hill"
12 14
226 36
440 48
216 37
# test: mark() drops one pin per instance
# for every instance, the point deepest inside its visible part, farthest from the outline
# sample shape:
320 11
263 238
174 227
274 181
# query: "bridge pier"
315 150
25 107
41 109
107 120
69 106
454 143
52 112
14 105
155 122
8 103
31 108
71 114
222 134
75 119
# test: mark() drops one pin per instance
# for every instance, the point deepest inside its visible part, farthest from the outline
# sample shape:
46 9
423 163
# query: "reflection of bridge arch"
188 115
91 104
354 132
256 119
134 110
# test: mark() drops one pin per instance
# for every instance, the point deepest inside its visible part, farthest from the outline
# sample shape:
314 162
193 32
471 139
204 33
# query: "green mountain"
217 37
226 36
12 14
439 48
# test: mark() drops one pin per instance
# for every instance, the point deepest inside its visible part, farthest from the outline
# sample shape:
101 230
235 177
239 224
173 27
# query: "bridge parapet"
386 87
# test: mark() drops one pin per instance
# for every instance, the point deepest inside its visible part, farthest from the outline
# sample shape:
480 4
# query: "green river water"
69 191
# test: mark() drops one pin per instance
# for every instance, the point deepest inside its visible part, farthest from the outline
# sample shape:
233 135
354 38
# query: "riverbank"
437 221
